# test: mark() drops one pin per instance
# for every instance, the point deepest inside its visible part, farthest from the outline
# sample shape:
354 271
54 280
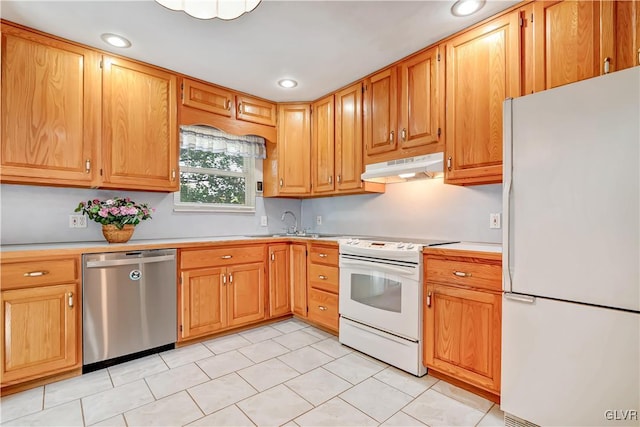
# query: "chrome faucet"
295 226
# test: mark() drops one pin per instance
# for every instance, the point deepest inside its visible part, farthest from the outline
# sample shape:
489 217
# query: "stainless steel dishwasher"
129 305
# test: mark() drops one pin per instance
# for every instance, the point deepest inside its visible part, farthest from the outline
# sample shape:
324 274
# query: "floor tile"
335 412
463 396
177 379
185 355
117 421
401 419
493 418
376 399
305 359
354 368
267 374
260 334
405 382
224 391
332 347
75 388
289 326
69 414
175 410
259 352
224 364
317 332
106 404
136 369
228 343
21 404
229 416
318 385
435 409
296 340
275 406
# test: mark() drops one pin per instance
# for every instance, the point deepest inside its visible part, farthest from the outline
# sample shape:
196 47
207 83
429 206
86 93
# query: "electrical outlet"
494 220
263 221
77 221
319 220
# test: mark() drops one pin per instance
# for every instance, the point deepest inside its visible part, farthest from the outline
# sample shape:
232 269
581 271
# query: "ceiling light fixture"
287 83
223 9
115 40
466 7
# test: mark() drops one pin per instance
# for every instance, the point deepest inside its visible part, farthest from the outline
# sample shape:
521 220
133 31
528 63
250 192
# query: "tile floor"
287 373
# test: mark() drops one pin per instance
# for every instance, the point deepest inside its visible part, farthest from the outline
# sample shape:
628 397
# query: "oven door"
382 295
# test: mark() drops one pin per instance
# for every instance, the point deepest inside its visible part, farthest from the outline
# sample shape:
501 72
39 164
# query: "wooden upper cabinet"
567 42
348 138
322 146
381 112
140 137
205 97
482 70
625 19
50 110
294 149
419 123
255 110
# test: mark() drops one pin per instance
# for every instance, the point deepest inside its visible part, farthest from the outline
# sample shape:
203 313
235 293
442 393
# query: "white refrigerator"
571 254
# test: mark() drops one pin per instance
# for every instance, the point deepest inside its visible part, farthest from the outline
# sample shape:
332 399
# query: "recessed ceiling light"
115 40
466 7
287 83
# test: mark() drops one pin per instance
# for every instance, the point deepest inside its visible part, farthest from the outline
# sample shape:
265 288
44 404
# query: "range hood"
401 170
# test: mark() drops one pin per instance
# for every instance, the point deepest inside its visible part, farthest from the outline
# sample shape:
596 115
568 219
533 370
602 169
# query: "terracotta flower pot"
114 235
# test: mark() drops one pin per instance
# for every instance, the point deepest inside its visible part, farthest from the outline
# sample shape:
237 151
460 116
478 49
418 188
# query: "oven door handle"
387 268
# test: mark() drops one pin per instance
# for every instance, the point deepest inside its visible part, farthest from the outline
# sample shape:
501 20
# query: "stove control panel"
393 246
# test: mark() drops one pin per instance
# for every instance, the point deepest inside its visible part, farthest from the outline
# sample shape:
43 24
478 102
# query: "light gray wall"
35 214
422 209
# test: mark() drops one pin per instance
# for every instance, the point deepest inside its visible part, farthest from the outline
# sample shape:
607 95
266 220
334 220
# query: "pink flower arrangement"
117 211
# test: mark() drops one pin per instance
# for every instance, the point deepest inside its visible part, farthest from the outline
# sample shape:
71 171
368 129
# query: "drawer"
222 256
465 273
324 277
35 272
323 255
323 309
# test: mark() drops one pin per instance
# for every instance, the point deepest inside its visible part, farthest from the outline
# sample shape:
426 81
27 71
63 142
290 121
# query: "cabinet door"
381 112
203 302
39 331
322 146
624 32
255 110
299 279
348 138
50 110
482 70
419 123
462 334
294 149
212 99
140 137
245 293
279 286
567 42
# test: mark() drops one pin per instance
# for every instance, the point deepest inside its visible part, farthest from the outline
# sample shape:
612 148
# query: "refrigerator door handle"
506 192
519 298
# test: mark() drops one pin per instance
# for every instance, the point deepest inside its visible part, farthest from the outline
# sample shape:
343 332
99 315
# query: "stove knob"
411 246
400 245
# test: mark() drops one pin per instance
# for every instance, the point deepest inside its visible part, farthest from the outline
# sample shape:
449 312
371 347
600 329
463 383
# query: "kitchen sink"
297 235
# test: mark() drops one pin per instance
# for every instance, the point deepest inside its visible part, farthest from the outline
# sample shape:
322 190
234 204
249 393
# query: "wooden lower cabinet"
299 279
279 281
463 317
323 279
41 319
323 308
217 297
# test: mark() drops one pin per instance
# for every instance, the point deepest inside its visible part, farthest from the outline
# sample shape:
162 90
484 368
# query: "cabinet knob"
449 163
321 277
173 174
322 308
239 107
330 179
404 134
461 274
224 279
391 137
322 255
273 256
429 299
70 299
230 278
607 65
339 179
281 182
87 165
228 104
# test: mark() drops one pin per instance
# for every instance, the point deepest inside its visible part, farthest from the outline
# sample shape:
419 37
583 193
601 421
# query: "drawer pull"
322 255
224 279
226 256
230 278
429 299
35 273
461 274
322 308
70 299
321 277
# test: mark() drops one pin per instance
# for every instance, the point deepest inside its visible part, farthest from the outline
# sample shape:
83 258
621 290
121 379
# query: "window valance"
205 138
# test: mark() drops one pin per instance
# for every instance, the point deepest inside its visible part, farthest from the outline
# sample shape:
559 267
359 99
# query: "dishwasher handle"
129 261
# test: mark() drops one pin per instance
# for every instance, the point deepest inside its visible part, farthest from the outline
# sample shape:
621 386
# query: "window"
215 174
